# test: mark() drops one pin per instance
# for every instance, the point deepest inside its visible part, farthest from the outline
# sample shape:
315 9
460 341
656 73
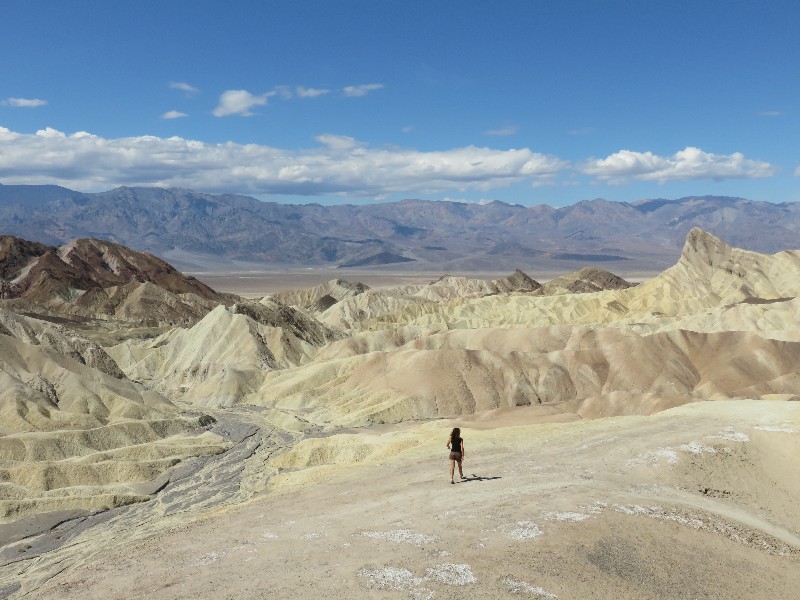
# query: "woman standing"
456 444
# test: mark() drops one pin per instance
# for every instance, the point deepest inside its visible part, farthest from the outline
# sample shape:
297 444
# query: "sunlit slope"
74 432
225 356
710 274
353 310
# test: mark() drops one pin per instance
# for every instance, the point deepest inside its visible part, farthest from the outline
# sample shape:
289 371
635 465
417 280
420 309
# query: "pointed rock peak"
705 247
16 253
519 280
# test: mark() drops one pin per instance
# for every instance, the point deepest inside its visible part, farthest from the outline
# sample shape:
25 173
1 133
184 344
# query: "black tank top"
455 444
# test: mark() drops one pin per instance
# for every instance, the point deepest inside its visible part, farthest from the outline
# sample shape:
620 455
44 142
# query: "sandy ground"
695 502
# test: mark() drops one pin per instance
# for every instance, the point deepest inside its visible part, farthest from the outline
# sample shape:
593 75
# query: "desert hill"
587 279
225 355
76 434
97 279
356 309
322 296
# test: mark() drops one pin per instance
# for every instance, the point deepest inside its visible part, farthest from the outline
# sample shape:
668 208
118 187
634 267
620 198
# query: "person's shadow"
474 477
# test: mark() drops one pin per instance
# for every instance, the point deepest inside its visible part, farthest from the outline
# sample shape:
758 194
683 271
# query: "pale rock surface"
320 297
546 511
226 355
73 437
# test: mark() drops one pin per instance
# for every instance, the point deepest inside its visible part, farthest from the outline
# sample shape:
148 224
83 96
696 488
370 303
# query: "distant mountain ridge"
202 231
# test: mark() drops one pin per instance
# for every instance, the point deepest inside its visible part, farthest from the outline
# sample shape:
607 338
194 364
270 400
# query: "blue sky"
522 101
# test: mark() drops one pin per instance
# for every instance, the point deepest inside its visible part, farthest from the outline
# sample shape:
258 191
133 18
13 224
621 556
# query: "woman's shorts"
455 456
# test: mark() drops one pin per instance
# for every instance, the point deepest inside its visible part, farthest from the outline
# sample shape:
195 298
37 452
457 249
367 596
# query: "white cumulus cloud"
689 163
24 102
173 114
361 90
239 102
183 86
339 165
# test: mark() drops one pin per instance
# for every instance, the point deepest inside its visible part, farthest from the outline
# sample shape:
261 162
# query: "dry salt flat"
698 501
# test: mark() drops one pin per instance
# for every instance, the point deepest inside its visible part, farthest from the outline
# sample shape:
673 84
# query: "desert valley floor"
166 439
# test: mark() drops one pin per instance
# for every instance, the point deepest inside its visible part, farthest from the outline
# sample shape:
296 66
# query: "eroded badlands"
622 440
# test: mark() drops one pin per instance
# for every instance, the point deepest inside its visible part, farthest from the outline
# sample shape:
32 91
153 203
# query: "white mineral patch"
400 536
312 535
522 530
573 517
654 458
777 428
595 508
452 574
521 587
209 558
697 448
657 512
731 435
389 578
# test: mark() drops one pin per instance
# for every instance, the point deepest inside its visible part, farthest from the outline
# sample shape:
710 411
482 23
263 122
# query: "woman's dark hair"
456 433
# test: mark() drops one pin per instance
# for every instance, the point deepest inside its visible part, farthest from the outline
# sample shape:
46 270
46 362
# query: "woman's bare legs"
460 471
453 468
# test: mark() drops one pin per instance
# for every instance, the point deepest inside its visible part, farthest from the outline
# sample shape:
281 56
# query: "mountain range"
197 231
